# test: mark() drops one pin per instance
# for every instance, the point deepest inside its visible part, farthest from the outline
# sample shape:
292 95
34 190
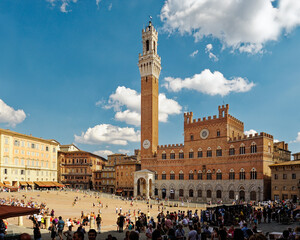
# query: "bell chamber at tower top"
149 61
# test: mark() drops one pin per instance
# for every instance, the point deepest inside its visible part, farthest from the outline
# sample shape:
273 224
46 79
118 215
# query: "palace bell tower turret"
149 65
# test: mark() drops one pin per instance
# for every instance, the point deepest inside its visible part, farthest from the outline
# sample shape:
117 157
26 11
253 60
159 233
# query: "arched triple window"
219 151
172 175
191 154
209 152
242 149
200 153
231 150
253 147
200 175
219 175
172 155
231 174
209 175
164 155
242 174
156 176
181 154
163 175
191 175
253 174
181 175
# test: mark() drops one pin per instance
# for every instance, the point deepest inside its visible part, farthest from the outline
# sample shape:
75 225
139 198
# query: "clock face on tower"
146 144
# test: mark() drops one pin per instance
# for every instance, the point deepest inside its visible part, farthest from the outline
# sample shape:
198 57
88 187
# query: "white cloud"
209 83
193 54
63 7
238 24
208 50
110 7
251 131
131 100
106 133
10 116
63 4
298 138
275 140
98 2
124 151
103 153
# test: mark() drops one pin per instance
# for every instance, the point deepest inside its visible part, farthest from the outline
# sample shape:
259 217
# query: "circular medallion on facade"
204 133
146 144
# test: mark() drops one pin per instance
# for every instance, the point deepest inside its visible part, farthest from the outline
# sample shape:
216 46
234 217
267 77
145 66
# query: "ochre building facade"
77 167
25 159
216 161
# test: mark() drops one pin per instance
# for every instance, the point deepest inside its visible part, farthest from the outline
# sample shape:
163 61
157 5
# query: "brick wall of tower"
149 114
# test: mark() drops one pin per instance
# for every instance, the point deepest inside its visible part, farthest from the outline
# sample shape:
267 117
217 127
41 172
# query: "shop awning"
39 184
119 190
11 211
7 182
22 183
30 183
2 185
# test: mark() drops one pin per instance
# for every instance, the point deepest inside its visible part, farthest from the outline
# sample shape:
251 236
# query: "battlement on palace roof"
223 114
168 146
250 136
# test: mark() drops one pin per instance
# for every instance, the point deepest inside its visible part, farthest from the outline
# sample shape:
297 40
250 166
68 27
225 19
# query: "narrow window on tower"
154 47
147 45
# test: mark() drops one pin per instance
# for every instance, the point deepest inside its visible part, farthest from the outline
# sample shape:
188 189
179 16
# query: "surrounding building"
68 148
104 180
281 152
25 159
286 180
115 158
77 168
216 162
296 156
125 176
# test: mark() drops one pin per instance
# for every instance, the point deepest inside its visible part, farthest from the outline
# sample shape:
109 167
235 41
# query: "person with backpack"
60 227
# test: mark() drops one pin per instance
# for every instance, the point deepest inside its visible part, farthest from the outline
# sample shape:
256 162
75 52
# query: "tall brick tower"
149 65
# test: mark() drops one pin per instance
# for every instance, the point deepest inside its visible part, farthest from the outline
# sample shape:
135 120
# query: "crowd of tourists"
221 222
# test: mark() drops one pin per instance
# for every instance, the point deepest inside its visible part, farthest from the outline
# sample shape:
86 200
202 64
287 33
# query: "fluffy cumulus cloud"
208 50
103 153
126 103
251 131
238 24
209 83
11 116
106 133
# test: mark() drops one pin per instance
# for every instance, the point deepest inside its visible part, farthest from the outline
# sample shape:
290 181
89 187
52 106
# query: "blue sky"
68 68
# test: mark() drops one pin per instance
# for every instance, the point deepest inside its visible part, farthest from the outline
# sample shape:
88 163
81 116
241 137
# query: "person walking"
98 222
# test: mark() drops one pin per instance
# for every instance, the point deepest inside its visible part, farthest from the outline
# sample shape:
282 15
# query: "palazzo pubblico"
215 162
